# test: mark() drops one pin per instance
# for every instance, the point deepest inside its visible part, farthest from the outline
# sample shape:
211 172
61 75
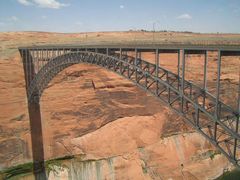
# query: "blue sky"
120 15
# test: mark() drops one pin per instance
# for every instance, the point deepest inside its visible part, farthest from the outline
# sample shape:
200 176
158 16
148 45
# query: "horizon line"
124 31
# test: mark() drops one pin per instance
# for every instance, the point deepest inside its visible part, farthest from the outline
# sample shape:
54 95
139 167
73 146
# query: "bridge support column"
205 78
178 70
182 80
157 69
34 118
121 53
135 63
41 57
205 70
157 63
37 140
217 109
236 142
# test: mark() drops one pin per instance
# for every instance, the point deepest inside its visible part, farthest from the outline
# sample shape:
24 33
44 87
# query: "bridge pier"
236 141
37 139
183 80
34 118
178 67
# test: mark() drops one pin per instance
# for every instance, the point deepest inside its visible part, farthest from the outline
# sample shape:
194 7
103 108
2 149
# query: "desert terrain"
127 131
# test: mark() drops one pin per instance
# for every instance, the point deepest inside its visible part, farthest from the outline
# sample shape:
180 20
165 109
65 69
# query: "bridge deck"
137 46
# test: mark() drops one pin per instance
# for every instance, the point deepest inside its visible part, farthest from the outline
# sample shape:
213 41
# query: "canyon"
114 129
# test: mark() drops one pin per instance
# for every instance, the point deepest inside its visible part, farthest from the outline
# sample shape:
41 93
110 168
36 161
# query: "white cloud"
13 18
24 2
44 17
184 16
50 4
53 4
236 10
2 24
121 6
79 23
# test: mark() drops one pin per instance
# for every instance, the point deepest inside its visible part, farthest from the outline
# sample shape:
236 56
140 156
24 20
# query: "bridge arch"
59 63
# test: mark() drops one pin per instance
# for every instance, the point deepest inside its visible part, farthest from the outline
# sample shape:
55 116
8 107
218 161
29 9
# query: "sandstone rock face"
138 151
118 130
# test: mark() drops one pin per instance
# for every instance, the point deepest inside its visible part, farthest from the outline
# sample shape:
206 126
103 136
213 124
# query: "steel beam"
217 114
183 79
218 84
205 70
120 53
178 68
135 63
28 67
238 104
205 78
236 142
157 70
157 63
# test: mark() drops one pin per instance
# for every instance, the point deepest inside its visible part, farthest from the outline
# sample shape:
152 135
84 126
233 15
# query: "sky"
205 16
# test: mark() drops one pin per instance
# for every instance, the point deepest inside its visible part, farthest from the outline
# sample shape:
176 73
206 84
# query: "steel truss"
215 120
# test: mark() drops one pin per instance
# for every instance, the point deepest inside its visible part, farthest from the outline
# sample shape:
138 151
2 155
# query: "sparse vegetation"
18 118
230 175
205 155
17 170
144 169
213 154
26 168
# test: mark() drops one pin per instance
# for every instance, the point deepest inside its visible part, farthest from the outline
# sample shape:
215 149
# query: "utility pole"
154 29
153 32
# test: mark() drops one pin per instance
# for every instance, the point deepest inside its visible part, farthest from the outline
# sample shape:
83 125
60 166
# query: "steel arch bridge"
215 120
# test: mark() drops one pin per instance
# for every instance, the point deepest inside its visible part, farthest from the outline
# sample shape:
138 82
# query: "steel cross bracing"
216 121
